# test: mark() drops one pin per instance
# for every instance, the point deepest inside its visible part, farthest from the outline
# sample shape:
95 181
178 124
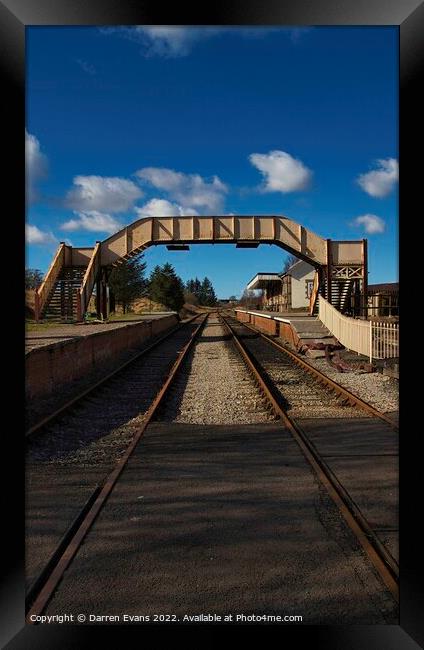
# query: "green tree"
166 287
203 291
208 296
194 287
33 278
127 282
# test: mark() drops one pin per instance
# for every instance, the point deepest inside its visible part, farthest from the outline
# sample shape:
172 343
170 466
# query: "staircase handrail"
314 294
44 290
89 280
353 333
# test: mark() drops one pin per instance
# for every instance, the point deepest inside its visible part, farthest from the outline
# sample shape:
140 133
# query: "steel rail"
323 379
70 546
382 560
59 411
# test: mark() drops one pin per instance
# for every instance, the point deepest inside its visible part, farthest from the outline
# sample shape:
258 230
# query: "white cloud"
175 41
87 67
371 223
102 194
93 221
163 208
381 181
281 172
172 41
36 165
167 41
191 191
34 235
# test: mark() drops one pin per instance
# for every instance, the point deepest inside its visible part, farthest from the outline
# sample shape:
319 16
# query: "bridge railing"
88 282
44 290
373 339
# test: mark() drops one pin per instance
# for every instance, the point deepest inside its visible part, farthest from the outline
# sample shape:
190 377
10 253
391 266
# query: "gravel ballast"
378 390
302 396
214 386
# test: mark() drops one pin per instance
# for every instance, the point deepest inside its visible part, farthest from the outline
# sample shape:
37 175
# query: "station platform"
55 334
298 329
57 357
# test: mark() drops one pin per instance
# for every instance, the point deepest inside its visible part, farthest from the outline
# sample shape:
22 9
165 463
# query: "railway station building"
383 299
288 291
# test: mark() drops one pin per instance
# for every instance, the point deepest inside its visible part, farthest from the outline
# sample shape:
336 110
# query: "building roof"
296 263
293 265
385 287
260 280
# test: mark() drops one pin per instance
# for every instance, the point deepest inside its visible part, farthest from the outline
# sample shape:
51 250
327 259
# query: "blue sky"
125 122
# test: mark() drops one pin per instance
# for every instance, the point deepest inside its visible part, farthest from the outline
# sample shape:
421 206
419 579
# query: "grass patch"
131 316
32 326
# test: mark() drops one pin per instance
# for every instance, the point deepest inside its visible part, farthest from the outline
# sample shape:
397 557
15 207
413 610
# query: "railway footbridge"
341 266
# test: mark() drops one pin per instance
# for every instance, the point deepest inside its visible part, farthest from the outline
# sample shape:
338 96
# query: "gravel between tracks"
214 386
378 390
302 395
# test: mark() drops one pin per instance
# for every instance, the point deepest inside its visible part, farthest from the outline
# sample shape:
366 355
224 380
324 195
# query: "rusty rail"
69 547
36 428
322 379
377 553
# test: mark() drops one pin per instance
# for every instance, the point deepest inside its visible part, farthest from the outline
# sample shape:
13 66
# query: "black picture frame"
15 16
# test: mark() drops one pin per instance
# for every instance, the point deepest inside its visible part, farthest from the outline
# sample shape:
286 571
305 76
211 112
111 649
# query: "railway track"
290 402
128 366
297 367
126 402
142 398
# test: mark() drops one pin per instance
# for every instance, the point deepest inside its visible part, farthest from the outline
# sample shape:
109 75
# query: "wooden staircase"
61 305
340 295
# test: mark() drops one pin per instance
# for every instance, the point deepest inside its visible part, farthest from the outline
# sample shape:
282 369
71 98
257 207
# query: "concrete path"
222 519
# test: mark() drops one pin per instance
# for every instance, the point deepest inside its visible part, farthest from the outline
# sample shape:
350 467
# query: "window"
309 287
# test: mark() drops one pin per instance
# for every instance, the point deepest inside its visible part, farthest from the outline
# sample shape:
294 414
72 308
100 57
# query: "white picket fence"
373 339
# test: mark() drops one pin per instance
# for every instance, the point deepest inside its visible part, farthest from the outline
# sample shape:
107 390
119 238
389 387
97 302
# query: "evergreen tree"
203 291
208 296
194 287
166 287
127 282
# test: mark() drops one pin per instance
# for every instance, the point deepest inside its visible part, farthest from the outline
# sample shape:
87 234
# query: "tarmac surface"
53 498
363 454
222 519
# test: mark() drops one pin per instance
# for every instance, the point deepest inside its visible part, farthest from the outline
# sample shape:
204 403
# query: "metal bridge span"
74 272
